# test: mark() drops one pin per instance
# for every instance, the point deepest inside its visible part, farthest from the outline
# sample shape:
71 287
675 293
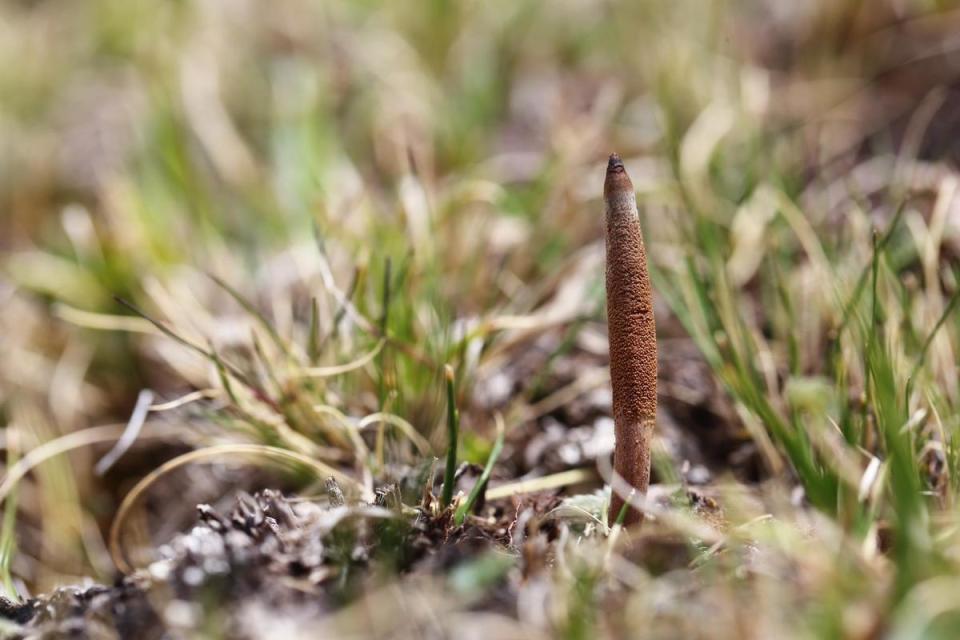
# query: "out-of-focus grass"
403 185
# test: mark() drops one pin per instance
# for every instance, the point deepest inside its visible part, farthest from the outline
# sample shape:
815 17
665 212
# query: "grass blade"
481 484
453 431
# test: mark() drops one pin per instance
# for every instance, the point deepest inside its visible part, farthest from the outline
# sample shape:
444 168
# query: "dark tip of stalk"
615 164
617 179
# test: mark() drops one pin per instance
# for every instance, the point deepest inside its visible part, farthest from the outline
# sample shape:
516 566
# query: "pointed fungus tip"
617 178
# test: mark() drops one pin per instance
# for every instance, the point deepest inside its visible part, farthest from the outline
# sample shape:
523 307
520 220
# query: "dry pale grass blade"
545 483
209 118
827 439
207 453
913 136
346 423
63 444
326 275
767 449
569 289
806 235
700 143
336 370
104 321
137 419
941 356
749 234
405 427
584 383
296 441
193 396
928 601
868 481
675 519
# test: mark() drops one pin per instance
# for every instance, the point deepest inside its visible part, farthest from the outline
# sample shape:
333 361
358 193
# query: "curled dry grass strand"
340 369
188 398
405 428
218 451
130 433
69 442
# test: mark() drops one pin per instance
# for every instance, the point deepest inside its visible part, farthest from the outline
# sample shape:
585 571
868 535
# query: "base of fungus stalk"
635 473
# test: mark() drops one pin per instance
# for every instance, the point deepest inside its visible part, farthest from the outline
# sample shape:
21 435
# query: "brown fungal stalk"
633 338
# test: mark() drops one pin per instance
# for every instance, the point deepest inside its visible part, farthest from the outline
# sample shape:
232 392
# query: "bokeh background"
439 164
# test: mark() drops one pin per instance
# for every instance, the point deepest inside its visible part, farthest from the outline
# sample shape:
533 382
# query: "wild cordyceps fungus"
633 338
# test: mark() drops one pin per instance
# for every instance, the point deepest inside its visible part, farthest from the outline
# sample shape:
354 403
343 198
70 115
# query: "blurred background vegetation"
399 185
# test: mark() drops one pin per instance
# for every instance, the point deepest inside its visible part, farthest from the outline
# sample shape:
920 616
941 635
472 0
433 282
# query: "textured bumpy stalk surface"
633 337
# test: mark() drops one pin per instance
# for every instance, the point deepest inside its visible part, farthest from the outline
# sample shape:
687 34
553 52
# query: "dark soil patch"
269 553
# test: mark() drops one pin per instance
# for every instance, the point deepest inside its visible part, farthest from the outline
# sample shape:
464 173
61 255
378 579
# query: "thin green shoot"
385 300
313 339
481 484
879 245
253 311
382 383
8 538
453 432
260 394
622 514
224 376
947 311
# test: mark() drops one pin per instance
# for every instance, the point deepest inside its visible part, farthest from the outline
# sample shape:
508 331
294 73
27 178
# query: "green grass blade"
481 484
453 431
